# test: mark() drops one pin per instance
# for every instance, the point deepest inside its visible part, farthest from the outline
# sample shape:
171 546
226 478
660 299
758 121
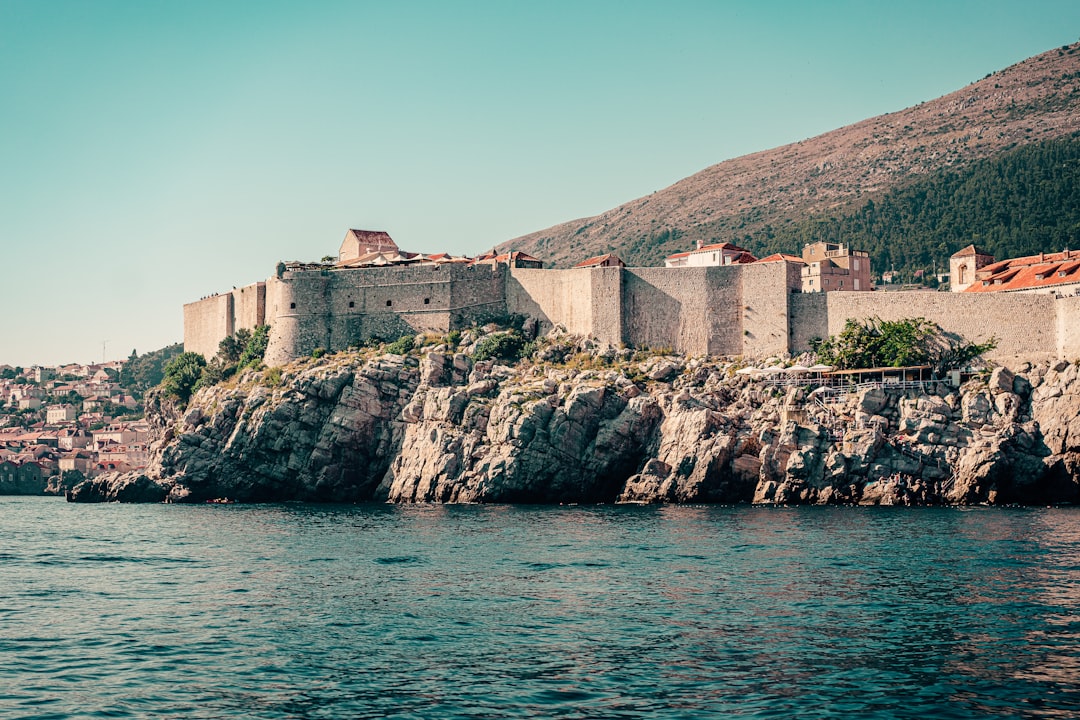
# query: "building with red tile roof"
515 259
364 242
964 264
724 253
1056 273
607 260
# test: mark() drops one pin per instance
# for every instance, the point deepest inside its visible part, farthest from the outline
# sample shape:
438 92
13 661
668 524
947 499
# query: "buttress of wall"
1068 328
690 310
554 297
766 293
1024 325
249 306
206 323
808 320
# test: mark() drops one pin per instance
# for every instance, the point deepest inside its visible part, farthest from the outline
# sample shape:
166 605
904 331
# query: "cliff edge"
581 423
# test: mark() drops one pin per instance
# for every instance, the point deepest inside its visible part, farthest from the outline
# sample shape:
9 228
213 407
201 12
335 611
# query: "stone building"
358 243
835 266
1050 273
724 253
964 265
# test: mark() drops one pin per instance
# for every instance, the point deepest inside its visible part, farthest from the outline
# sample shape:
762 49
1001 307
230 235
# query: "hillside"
764 197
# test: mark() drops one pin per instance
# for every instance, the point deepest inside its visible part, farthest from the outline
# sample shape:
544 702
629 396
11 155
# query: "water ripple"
299 611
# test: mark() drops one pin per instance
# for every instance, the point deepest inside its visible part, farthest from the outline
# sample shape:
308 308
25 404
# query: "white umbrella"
821 368
747 371
797 369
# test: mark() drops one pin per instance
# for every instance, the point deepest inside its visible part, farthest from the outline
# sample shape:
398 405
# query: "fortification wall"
765 308
606 303
1068 328
809 319
691 310
477 294
1024 325
334 309
554 297
249 306
206 323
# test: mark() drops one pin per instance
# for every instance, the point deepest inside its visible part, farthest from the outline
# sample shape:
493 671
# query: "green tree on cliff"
181 375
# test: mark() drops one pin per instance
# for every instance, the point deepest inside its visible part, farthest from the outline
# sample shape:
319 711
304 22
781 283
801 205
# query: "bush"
506 346
181 375
255 348
402 346
272 378
318 353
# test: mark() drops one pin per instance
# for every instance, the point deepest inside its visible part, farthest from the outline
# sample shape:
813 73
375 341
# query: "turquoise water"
301 611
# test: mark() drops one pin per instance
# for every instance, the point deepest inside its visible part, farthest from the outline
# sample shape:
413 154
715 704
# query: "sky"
152 153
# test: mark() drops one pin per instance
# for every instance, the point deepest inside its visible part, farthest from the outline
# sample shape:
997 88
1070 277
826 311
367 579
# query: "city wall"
311 309
745 310
209 321
1023 325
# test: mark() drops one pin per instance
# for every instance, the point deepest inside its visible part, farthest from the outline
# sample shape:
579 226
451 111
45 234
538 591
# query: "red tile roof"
778 257
970 250
598 260
1029 273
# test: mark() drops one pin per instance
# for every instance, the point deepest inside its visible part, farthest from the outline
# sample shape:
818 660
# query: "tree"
181 374
231 348
256 347
897 343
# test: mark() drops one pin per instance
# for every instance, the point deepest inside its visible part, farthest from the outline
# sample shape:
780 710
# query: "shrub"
181 375
402 346
255 348
502 346
272 378
318 353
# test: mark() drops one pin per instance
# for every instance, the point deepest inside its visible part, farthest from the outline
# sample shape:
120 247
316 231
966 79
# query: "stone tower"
964 264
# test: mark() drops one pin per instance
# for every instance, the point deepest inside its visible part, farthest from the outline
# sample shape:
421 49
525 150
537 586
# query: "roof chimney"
699 244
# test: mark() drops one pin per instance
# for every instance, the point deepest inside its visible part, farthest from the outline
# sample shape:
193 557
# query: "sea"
501 611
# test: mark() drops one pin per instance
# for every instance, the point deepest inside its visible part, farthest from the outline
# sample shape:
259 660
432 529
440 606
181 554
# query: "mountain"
763 201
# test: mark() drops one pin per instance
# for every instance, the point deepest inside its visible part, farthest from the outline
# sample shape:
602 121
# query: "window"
856 283
389 303
963 274
352 304
292 306
427 301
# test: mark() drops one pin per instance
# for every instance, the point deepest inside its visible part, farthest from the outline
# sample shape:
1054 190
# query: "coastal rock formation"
593 424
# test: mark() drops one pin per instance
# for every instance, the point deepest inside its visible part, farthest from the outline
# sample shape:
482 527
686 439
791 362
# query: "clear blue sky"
155 152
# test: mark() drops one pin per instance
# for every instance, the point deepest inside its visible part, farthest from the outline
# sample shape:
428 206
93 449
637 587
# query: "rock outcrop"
592 425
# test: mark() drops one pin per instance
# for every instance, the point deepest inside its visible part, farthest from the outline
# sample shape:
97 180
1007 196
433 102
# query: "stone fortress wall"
208 321
752 310
333 309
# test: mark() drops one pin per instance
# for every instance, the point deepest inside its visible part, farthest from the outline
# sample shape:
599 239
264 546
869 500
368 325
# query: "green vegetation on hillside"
1022 202
142 372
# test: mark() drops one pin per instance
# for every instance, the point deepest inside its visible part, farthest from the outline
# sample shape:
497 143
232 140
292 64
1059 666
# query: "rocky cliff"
578 423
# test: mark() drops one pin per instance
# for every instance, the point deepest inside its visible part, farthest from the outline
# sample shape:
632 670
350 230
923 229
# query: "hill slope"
765 195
